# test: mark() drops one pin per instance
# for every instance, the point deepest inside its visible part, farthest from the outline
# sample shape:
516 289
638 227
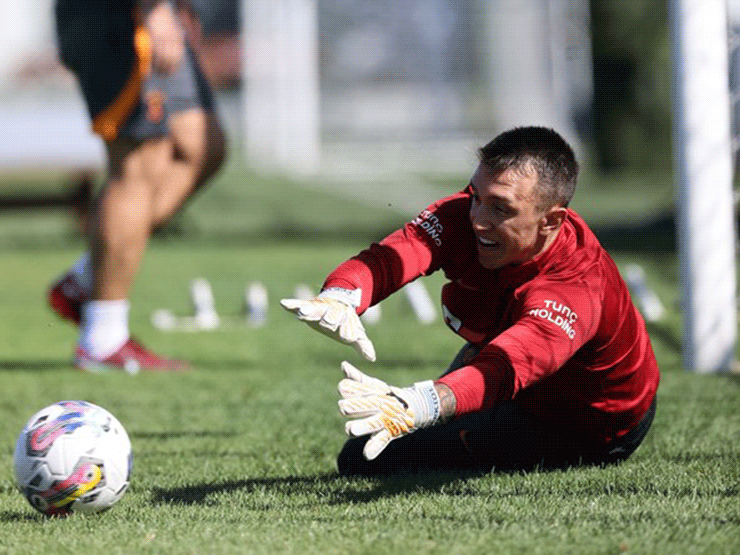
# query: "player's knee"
144 163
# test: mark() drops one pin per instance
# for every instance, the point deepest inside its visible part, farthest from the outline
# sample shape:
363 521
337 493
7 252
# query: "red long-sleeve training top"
559 333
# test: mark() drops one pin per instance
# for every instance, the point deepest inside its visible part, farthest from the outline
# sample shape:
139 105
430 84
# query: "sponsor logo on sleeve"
559 314
431 225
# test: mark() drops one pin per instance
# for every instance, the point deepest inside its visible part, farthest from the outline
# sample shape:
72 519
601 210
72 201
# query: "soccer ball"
72 456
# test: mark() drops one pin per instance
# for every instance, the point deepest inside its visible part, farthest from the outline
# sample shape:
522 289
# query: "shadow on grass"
196 494
337 490
67 364
34 365
182 433
15 516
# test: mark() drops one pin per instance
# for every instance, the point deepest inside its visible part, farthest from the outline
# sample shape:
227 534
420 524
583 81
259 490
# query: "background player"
150 102
558 369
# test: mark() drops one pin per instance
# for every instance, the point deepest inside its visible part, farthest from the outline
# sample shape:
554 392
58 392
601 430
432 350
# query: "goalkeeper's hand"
384 411
333 313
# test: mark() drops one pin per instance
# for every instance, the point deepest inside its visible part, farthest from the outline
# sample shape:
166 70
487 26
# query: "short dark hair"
539 149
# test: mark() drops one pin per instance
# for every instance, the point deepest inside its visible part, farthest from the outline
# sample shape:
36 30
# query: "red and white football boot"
132 357
66 297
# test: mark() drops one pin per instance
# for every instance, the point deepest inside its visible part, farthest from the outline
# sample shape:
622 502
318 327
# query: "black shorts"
505 438
110 57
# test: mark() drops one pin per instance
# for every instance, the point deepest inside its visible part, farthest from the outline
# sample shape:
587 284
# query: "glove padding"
333 313
384 411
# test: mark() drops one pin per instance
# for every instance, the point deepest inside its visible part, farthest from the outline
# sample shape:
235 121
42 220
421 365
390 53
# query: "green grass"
238 455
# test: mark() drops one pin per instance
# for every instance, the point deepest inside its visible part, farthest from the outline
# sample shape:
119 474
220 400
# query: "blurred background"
358 96
417 82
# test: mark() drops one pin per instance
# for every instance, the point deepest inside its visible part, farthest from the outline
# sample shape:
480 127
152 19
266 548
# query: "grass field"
238 455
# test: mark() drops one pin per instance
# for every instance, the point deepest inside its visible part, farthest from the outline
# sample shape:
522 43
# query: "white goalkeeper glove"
333 313
384 411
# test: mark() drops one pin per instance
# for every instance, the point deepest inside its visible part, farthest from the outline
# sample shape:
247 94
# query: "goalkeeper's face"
508 225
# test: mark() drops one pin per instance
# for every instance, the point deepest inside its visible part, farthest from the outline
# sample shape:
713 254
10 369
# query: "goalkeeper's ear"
552 220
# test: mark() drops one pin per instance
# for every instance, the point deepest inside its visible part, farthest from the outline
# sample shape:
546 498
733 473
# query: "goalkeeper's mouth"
487 243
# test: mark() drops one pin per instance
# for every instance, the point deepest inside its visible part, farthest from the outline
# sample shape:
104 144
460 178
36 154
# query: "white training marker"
420 302
256 304
650 306
164 320
372 315
204 304
303 292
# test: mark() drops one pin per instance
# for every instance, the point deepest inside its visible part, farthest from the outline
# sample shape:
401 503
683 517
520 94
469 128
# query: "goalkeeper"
557 370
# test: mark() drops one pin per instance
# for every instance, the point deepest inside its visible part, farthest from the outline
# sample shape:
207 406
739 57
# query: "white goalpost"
703 170
280 101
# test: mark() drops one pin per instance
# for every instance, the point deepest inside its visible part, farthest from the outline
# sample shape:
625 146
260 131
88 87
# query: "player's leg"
124 213
183 161
148 182
119 234
90 37
616 451
199 150
145 159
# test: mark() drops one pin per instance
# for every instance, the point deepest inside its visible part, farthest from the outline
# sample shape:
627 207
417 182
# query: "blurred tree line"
632 84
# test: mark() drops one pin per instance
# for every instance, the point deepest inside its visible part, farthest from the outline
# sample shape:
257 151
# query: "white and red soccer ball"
72 456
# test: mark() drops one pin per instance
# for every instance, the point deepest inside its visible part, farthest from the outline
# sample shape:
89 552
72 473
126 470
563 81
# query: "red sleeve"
419 248
551 324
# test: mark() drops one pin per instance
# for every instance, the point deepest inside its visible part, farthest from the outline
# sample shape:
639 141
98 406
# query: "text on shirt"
559 314
431 225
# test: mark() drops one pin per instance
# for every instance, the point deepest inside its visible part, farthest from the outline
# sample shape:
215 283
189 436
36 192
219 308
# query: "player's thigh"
193 125
197 137
139 163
